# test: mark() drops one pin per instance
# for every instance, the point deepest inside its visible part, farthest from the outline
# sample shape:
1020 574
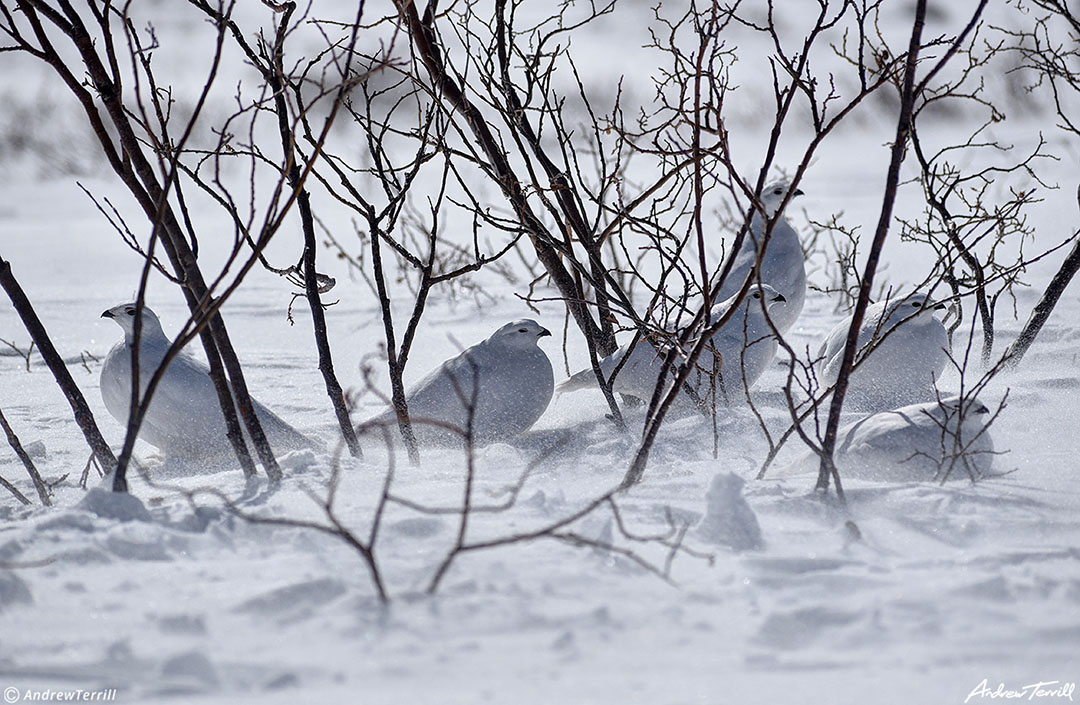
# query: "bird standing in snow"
930 441
184 419
507 379
744 347
902 351
783 266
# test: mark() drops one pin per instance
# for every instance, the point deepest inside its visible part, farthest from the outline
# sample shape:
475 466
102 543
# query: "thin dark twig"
35 476
828 468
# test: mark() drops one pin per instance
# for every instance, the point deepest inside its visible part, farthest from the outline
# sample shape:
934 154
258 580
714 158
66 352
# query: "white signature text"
1042 689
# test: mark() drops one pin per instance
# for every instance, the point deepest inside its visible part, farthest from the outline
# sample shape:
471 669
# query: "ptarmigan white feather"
903 349
920 442
507 379
745 346
184 419
783 266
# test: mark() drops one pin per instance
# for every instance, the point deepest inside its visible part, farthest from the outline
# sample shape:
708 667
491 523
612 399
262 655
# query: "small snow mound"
285 680
729 520
545 503
298 597
566 643
602 531
200 520
181 624
120 506
13 591
801 627
67 521
298 460
417 527
538 500
192 667
10 550
500 455
137 548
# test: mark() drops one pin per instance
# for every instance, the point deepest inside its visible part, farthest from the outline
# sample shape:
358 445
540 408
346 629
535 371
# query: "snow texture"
914 592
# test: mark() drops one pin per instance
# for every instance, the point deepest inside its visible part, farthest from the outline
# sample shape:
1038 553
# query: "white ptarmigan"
745 346
507 379
903 349
184 419
920 442
784 264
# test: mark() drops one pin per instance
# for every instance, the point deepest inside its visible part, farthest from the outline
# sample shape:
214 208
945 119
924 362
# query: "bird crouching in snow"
743 348
783 265
932 441
902 351
184 419
507 380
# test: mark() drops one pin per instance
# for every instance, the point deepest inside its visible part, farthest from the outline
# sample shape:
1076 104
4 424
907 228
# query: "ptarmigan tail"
282 436
586 379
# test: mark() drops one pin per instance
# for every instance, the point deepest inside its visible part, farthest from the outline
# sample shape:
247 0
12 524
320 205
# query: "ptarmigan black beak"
798 192
543 332
779 297
940 307
107 314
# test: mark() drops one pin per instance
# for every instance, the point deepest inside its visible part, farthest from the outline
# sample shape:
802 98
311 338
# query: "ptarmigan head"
124 315
521 334
974 411
774 194
772 296
913 308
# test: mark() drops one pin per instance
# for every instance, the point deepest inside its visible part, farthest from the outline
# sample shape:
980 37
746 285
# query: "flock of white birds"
499 387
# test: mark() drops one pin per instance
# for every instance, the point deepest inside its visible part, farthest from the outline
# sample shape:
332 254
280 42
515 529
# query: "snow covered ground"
912 593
